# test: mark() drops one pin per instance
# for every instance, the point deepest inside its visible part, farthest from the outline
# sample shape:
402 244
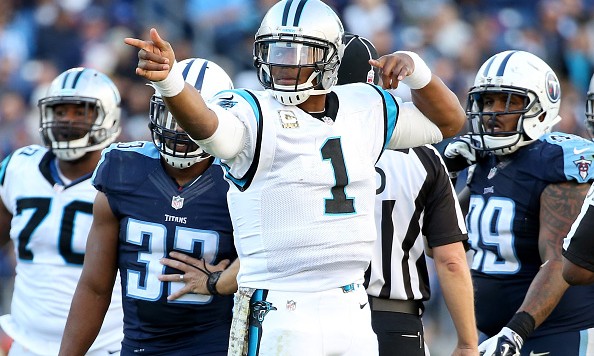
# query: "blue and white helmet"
514 73
101 99
299 34
174 144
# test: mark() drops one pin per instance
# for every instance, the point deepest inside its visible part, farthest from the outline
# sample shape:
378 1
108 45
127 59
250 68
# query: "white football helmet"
299 34
514 73
590 108
70 140
174 144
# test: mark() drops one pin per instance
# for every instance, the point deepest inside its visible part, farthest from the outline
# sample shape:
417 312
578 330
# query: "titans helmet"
98 112
514 73
174 144
295 37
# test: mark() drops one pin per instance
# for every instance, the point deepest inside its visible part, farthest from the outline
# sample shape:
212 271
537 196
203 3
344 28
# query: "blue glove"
506 343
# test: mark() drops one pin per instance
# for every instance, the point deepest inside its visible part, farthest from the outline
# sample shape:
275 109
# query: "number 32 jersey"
49 229
503 229
156 217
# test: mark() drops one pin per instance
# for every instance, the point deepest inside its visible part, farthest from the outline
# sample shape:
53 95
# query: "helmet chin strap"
522 141
179 163
182 162
291 98
69 154
288 97
320 91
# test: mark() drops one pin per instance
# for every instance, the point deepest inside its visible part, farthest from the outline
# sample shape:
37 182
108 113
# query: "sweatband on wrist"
523 324
421 75
211 282
173 84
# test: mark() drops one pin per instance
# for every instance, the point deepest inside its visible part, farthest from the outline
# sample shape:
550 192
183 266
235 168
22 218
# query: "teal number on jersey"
144 284
339 204
490 233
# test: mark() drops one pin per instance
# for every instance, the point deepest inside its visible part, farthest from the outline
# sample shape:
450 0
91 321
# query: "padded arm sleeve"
229 138
413 129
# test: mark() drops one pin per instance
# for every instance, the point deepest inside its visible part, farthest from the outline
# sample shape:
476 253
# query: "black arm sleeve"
581 247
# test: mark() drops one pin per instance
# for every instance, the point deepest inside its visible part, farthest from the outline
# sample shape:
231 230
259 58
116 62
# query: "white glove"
506 343
460 146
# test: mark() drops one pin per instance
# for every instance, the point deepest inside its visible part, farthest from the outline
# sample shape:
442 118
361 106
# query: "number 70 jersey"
49 229
50 221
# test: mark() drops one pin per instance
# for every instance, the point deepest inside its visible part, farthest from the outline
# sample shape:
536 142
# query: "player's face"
180 142
73 121
289 53
288 75
288 61
507 107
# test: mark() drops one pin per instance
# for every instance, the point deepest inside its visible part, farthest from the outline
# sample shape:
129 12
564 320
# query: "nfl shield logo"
177 202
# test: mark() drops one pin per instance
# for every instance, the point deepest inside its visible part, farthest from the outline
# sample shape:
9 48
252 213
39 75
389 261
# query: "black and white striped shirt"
414 198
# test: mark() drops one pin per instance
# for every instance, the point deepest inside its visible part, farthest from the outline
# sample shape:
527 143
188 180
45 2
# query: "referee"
416 211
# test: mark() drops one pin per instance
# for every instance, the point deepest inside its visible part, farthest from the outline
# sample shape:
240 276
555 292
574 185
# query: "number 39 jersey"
49 229
503 229
157 217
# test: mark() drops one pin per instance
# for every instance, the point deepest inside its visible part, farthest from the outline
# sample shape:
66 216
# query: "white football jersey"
302 192
49 230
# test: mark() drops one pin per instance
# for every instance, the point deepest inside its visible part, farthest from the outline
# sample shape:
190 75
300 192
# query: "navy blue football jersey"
503 229
156 217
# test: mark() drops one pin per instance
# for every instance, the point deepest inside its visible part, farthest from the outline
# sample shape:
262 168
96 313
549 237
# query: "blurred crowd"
41 38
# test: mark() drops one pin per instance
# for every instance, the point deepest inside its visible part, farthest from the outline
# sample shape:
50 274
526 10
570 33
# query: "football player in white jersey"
415 202
46 201
300 158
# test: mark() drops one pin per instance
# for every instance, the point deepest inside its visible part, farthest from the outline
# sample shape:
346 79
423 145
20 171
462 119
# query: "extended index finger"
135 42
156 50
385 71
376 63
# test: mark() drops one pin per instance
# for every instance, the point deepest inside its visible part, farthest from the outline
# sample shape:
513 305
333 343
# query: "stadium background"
41 38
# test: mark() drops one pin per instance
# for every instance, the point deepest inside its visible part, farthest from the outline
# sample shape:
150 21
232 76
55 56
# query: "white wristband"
421 76
173 84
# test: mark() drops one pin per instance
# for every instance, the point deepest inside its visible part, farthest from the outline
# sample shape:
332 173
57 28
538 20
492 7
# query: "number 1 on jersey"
339 204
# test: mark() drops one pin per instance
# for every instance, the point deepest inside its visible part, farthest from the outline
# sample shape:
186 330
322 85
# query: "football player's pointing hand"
155 57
